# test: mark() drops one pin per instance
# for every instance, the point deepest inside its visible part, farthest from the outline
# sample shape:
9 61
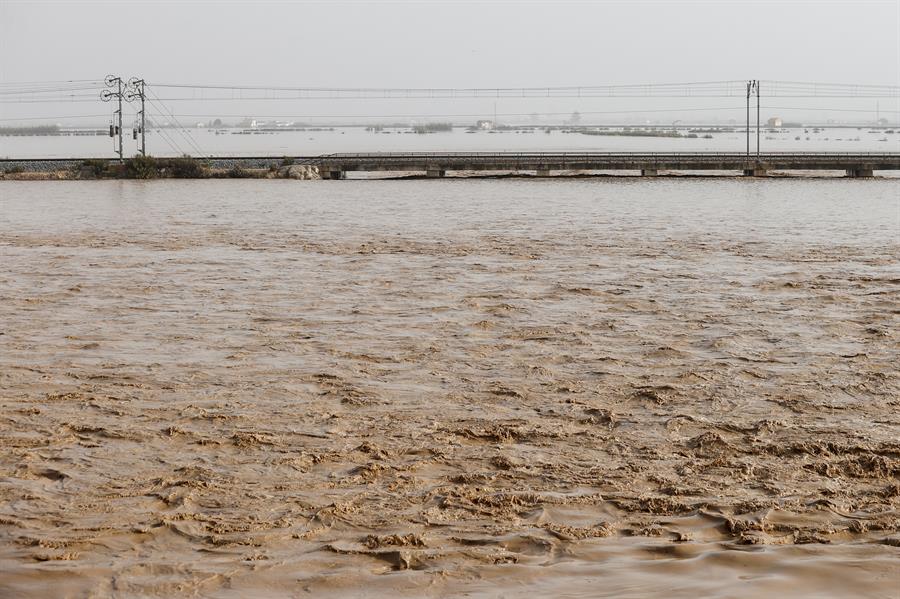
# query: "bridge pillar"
755 172
649 172
435 173
542 172
332 174
860 172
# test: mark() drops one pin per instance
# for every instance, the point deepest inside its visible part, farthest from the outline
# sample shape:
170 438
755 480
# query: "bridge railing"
387 160
600 155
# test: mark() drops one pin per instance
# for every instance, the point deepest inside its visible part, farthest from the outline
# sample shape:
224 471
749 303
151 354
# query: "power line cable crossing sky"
364 98
318 64
445 58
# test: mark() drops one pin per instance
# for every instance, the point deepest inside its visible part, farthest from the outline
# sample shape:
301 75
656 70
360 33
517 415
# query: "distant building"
775 121
251 123
486 125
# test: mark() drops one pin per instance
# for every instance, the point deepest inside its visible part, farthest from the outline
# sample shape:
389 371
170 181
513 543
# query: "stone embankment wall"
37 166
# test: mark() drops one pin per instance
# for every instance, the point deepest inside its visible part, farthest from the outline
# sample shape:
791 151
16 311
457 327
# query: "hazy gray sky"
449 44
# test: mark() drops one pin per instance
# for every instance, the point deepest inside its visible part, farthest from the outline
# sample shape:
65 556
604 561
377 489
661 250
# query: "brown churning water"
423 388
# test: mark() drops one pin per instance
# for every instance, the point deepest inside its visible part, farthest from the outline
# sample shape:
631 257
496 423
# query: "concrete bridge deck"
542 163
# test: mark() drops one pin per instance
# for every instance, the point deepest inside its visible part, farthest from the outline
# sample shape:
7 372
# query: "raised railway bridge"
437 164
334 166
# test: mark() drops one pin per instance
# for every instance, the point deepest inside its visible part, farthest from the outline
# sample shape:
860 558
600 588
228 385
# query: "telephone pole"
136 90
107 95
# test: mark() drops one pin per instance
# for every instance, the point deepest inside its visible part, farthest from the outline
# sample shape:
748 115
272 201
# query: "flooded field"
325 140
574 388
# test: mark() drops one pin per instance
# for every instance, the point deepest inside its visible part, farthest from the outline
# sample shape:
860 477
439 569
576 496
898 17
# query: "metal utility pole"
107 95
136 90
749 87
757 119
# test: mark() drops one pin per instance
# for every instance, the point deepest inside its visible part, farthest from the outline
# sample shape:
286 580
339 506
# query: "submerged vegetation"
432 127
38 130
150 167
142 167
93 168
641 133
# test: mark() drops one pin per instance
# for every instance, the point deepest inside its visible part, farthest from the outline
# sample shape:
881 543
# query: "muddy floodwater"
482 388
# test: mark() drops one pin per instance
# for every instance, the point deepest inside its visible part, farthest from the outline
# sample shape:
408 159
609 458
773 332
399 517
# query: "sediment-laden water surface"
592 387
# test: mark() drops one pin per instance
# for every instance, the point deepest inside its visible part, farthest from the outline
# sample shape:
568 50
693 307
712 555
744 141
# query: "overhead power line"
518 114
56 118
184 132
80 91
456 115
163 134
2 83
45 91
713 89
57 100
466 115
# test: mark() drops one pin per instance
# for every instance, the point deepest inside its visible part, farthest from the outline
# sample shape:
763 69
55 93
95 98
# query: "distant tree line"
38 130
433 127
